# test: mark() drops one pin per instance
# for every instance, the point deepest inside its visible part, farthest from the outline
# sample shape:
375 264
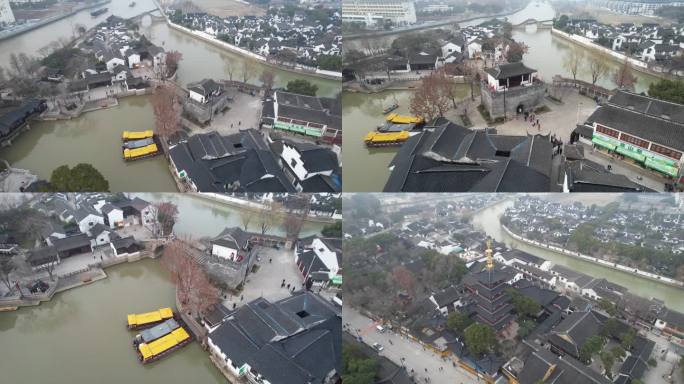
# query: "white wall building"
400 12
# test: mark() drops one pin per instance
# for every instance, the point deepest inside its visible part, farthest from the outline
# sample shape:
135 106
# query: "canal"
80 335
487 220
95 137
366 170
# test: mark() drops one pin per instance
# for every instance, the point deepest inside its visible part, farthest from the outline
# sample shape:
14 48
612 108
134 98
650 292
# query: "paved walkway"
634 172
244 113
266 281
424 363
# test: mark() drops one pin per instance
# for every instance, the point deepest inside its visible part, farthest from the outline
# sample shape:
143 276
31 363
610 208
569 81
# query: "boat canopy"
163 329
150 317
163 344
399 119
139 152
379 137
137 135
133 144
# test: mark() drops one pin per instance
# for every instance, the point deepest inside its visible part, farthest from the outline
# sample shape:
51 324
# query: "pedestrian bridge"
539 23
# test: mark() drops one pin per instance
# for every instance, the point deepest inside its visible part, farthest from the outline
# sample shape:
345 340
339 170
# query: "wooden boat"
136 135
390 108
400 119
141 153
149 352
148 319
158 331
392 139
98 12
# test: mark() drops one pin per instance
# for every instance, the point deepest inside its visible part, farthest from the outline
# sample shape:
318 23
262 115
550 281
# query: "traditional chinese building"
511 89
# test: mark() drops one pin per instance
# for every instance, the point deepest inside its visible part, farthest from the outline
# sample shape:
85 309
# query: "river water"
95 137
80 336
487 220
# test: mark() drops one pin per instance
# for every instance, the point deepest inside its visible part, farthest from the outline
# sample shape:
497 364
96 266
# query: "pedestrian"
288 285
270 260
240 122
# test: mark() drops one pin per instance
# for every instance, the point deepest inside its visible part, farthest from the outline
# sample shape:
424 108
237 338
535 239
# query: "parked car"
378 347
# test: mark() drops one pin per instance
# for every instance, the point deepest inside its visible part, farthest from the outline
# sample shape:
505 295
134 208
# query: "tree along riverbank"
617 57
618 267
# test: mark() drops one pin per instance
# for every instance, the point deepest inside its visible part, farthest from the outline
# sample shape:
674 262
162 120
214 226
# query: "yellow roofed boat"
137 135
380 139
148 352
150 318
138 153
401 119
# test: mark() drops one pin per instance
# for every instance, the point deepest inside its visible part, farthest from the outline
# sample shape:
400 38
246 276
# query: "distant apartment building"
370 11
6 14
636 7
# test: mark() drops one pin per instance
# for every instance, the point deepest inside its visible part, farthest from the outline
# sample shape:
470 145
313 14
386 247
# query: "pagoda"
488 286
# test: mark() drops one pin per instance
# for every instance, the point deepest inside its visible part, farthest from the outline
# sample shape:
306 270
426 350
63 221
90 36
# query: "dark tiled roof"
71 242
41 256
572 332
233 237
588 176
447 157
296 340
659 130
216 163
505 71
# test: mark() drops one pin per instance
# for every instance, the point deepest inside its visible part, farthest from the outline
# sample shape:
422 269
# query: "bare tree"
246 217
598 66
172 59
7 266
573 61
165 216
249 70
167 111
230 68
267 78
447 84
624 76
429 100
268 217
193 287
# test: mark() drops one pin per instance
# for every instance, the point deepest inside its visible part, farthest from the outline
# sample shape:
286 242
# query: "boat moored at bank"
148 319
155 350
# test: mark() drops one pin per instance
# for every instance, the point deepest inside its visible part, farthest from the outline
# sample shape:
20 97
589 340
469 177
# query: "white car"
378 347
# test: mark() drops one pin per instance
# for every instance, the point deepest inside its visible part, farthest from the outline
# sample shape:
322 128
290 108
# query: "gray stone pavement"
634 172
667 360
561 120
266 281
244 113
414 355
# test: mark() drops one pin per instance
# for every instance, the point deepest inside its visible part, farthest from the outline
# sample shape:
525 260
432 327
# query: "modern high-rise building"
370 11
6 14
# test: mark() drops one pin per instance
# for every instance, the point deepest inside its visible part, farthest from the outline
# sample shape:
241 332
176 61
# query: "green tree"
458 322
358 369
627 339
524 306
608 360
618 352
302 87
333 230
525 327
668 90
330 62
81 178
610 328
652 362
480 339
591 346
